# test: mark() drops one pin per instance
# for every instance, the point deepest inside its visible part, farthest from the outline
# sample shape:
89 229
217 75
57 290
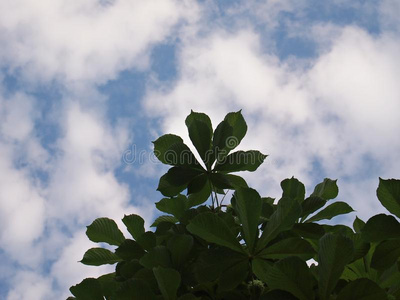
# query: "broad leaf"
388 194
362 289
332 210
175 206
197 183
223 138
358 225
135 289
105 230
261 268
129 249
147 240
310 205
285 216
99 256
88 289
239 126
326 190
213 229
309 230
248 205
335 251
288 247
293 188
292 275
168 282
381 227
201 196
220 181
164 218
168 184
386 254
240 161
233 276
158 256
180 155
236 181
163 144
179 246
134 224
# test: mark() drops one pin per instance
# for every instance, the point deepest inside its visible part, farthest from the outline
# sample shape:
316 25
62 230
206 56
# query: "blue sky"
86 84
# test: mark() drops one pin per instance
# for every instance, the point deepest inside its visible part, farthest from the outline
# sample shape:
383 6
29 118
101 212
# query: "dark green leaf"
310 205
358 224
223 137
332 210
220 181
240 161
386 254
99 256
167 185
179 246
147 240
361 248
233 276
134 224
108 284
326 190
88 289
213 229
248 205
236 181
237 122
168 281
180 155
291 274
335 251
197 183
201 196
288 247
158 256
293 188
309 230
175 206
261 268
129 249
362 289
388 194
381 227
135 289
285 216
105 230
162 144
164 218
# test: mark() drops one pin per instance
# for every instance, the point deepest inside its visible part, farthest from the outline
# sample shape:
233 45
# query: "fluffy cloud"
84 40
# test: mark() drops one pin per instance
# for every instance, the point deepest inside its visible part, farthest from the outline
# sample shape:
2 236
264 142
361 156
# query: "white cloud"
84 40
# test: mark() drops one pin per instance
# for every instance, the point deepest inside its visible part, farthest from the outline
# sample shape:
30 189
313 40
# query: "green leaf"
237 122
248 205
326 190
134 224
134 289
223 137
200 133
381 227
309 230
293 188
129 249
201 196
163 144
291 274
285 216
332 210
168 185
240 161
288 247
175 206
236 181
179 155
358 224
310 205
261 268
88 289
179 246
99 256
158 256
386 254
219 181
147 240
388 194
197 183
168 281
105 230
233 276
362 289
335 252
164 218
109 285
213 229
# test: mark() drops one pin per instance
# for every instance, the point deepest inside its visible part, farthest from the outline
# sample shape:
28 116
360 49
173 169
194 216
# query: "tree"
254 247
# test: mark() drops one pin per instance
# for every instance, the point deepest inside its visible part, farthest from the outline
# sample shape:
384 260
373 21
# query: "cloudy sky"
86 85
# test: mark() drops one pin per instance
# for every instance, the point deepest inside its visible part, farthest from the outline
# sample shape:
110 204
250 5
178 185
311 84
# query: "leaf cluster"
253 248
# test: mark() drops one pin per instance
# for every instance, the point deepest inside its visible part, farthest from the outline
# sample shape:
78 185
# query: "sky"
86 85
